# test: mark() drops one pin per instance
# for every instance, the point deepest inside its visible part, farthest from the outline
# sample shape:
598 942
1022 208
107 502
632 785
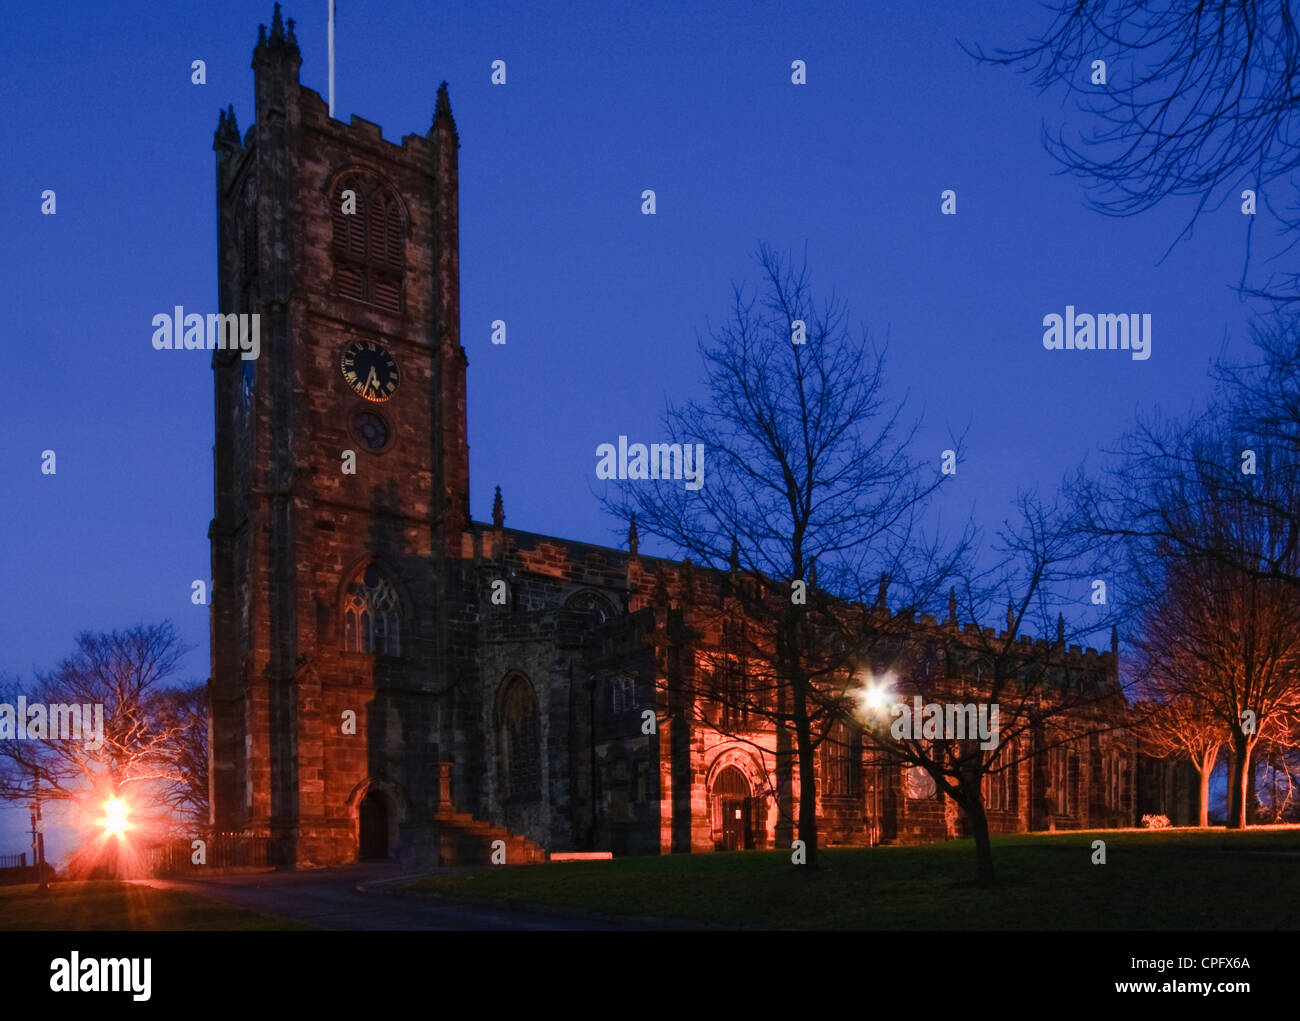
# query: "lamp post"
38 834
874 699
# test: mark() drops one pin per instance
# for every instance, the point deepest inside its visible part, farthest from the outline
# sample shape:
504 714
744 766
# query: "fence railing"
13 861
220 851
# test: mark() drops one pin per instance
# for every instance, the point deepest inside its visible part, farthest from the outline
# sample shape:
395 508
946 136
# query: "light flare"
115 821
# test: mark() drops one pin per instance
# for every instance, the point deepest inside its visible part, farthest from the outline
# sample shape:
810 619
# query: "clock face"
370 370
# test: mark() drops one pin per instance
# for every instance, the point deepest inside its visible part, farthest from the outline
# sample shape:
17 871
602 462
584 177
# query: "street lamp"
875 697
38 833
115 820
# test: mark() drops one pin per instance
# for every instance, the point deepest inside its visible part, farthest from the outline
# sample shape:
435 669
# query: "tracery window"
731 678
588 600
372 615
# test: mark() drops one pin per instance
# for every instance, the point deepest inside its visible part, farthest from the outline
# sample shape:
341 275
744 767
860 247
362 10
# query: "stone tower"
341 473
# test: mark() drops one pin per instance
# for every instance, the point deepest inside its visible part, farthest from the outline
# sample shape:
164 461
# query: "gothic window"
731 678
998 790
622 695
1064 771
918 784
520 738
841 761
372 615
591 601
369 244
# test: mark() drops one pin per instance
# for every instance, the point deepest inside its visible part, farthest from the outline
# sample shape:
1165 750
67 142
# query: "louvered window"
369 244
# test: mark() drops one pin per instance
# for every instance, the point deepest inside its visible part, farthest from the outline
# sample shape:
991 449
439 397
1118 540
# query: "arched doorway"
373 815
732 801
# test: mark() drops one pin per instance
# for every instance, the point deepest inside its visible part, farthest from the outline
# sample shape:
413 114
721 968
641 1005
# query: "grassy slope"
1152 880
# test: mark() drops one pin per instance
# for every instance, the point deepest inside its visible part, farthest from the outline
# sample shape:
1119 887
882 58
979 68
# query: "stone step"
465 840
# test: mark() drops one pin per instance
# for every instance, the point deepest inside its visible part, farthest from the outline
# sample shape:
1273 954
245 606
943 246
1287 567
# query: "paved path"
331 899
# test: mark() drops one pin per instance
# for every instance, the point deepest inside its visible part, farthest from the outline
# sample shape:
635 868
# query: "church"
393 679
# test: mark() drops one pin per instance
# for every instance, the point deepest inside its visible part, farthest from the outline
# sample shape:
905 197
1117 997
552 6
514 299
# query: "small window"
622 695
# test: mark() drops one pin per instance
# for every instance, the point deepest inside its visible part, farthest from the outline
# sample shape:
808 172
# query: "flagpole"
331 2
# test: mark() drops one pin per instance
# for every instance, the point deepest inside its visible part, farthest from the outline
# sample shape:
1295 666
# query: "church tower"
341 473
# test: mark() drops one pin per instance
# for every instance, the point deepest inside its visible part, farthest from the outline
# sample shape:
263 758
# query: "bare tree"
808 475
182 715
152 734
1181 727
1224 643
1197 99
1046 698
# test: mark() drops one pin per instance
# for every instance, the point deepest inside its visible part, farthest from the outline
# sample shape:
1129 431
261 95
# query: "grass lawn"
120 907
1179 879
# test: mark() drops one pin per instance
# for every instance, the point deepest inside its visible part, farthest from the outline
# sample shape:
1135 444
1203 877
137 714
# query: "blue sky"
603 304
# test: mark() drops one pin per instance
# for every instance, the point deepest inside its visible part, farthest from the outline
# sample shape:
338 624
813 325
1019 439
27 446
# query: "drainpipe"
591 698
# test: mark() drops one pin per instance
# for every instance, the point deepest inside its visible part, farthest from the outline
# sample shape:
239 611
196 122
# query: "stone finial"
632 539
734 561
1011 619
1060 629
812 573
443 106
883 591
1114 641
952 605
227 129
278 41
498 511
442 118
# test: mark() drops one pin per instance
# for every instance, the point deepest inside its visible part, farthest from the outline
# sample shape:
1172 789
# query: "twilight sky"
603 304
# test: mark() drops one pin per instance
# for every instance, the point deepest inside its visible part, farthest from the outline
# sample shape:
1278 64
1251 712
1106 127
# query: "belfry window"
372 615
369 242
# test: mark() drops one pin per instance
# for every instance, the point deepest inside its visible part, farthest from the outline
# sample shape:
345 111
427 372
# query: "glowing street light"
875 697
115 820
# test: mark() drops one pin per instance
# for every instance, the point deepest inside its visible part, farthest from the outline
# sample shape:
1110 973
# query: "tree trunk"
1205 768
1252 795
807 777
1239 779
973 806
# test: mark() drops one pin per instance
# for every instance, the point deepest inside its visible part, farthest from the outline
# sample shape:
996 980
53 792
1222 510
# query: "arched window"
520 738
841 760
588 600
372 615
369 244
731 678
